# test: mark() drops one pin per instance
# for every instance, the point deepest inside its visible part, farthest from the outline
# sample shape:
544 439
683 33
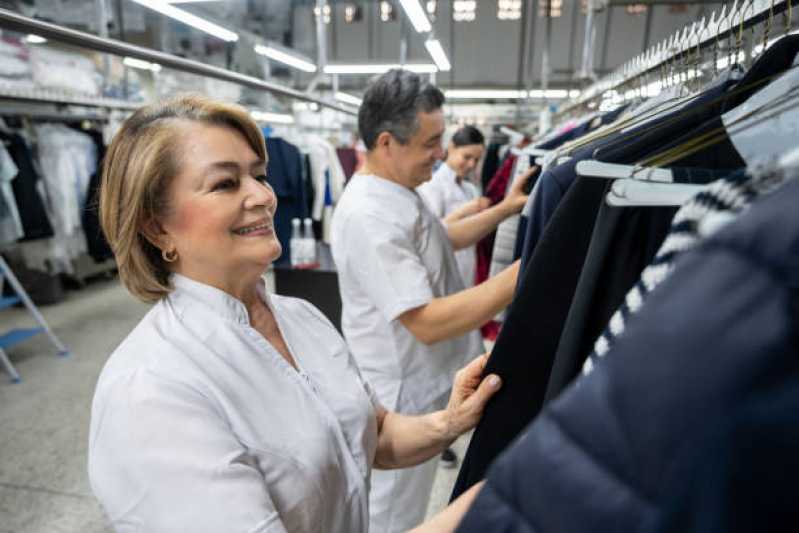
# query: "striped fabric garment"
721 202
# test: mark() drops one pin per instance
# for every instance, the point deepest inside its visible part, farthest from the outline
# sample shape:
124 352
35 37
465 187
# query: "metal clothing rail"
64 98
16 22
698 35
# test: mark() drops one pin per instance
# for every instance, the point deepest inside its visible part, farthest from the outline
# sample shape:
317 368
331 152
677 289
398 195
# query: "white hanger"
597 169
633 192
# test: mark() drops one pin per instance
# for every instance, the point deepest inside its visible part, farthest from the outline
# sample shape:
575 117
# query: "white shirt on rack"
199 424
393 255
443 194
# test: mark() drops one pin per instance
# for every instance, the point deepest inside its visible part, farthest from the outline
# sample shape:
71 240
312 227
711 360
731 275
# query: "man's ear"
156 235
384 140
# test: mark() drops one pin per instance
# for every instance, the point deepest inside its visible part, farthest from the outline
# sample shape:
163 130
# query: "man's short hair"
391 103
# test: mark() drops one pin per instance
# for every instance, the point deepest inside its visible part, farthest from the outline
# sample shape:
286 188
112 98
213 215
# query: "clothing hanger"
615 171
637 193
720 134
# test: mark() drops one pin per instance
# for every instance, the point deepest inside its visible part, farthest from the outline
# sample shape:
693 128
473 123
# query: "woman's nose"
259 194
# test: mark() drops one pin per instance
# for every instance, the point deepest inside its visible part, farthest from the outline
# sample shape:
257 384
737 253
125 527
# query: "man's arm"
472 207
467 231
454 315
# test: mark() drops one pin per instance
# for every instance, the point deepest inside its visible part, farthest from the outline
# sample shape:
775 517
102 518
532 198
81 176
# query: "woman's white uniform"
393 255
199 424
443 194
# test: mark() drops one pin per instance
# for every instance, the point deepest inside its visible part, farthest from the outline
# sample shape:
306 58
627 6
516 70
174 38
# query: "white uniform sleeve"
382 258
163 459
432 198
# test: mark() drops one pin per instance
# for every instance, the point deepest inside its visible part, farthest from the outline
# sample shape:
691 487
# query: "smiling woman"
228 408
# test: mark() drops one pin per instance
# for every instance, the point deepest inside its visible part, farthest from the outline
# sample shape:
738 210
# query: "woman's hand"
470 393
516 198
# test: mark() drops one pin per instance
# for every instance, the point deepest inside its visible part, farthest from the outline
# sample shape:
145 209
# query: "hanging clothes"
96 243
27 188
491 163
587 294
284 172
556 271
349 161
10 223
610 443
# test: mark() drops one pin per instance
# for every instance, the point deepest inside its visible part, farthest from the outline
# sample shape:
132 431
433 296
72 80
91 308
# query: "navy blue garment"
285 174
722 328
524 353
491 164
740 477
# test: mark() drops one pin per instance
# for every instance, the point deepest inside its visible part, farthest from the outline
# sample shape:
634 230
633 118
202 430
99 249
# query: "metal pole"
403 57
587 67
545 55
16 22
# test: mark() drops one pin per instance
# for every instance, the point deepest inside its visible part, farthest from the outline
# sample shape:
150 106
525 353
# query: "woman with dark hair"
451 196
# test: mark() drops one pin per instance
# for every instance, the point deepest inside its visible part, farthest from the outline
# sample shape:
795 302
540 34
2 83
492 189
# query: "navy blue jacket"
722 328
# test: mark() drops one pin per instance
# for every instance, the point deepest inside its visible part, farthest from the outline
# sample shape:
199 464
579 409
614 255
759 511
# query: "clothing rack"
16 22
698 36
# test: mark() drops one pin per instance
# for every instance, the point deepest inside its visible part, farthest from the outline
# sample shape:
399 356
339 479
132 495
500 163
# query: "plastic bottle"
310 242
296 244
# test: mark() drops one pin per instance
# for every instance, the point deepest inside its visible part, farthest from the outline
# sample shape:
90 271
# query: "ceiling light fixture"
464 10
286 58
348 99
141 64
549 93
277 118
437 53
416 15
185 17
35 39
484 94
379 68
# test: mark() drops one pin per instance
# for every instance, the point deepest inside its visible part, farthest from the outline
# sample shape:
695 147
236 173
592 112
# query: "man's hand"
516 197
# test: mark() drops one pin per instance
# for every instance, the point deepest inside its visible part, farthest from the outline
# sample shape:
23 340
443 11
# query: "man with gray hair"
407 317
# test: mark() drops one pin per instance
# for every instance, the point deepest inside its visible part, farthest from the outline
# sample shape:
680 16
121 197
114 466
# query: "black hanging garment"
97 245
32 213
525 351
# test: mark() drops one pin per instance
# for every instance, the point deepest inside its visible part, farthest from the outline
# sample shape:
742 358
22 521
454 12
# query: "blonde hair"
142 159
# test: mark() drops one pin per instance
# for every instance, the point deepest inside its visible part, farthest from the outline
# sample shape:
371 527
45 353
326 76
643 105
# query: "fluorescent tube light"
185 17
141 64
374 68
437 53
549 93
348 98
286 58
478 94
277 118
35 39
416 15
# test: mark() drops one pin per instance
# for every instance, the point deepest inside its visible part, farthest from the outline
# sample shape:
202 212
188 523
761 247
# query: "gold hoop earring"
169 256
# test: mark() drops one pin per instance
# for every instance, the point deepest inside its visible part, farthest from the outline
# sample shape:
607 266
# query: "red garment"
495 191
348 159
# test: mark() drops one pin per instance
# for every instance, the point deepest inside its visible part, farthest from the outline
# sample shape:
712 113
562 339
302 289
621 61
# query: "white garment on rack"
326 172
10 223
505 240
67 159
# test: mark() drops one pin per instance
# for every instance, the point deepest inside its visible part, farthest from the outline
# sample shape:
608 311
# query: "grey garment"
721 202
505 240
10 223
